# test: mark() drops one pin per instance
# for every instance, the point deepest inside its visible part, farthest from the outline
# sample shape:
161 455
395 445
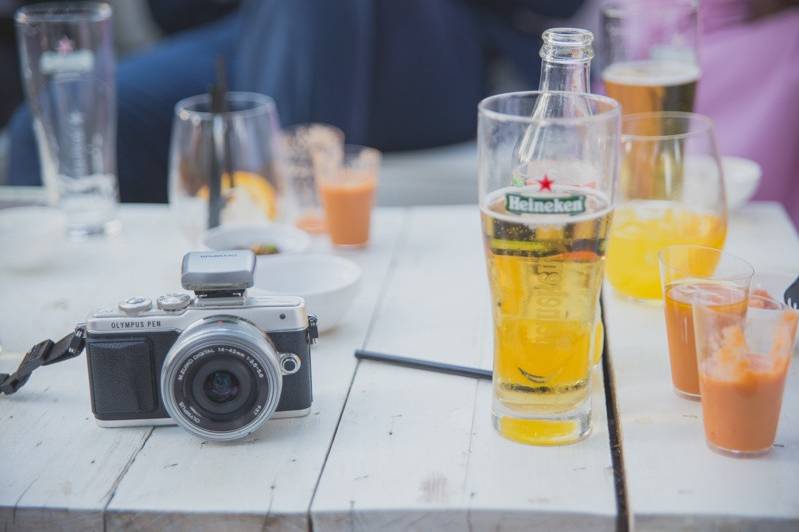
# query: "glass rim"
499 116
616 9
704 120
349 147
781 306
568 36
746 265
307 126
63 12
351 151
260 104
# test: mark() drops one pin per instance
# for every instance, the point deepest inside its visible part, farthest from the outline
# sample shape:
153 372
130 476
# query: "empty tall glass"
68 70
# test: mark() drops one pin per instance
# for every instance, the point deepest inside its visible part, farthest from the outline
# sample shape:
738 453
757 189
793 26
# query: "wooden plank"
673 480
59 468
416 450
266 481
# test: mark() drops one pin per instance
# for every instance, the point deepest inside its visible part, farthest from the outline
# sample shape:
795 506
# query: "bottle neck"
566 60
565 77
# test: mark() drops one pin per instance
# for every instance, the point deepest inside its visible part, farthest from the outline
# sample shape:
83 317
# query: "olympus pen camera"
219 364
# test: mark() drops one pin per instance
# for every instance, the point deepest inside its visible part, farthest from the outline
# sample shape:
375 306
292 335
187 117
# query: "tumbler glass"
308 148
347 190
544 224
743 361
238 149
722 279
68 70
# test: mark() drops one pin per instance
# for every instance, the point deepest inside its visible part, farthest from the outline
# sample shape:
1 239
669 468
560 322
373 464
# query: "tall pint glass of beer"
544 225
649 55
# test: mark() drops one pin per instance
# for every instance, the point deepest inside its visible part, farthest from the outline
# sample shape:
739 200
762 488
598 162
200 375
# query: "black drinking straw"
227 154
427 365
221 147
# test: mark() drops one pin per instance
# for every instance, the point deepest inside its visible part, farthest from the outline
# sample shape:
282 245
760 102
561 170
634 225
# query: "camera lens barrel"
222 378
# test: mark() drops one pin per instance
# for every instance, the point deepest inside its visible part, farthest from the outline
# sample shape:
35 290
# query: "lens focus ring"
222 379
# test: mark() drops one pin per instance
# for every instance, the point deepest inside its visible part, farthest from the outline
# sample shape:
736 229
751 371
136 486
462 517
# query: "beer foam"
651 73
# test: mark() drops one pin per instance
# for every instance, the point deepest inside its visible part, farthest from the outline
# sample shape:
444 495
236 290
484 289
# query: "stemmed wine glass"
238 149
671 192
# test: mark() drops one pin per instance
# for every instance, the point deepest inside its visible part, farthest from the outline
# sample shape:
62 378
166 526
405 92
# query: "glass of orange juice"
722 279
347 191
671 192
743 362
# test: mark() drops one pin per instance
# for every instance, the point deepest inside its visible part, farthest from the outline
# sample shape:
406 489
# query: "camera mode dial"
135 304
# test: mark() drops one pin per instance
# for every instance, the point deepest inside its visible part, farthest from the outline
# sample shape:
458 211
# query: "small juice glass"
743 361
308 148
347 191
685 270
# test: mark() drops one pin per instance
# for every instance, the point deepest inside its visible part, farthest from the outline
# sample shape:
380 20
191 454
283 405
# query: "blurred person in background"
749 55
396 75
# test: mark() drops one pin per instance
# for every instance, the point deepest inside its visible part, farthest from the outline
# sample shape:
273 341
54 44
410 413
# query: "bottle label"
523 204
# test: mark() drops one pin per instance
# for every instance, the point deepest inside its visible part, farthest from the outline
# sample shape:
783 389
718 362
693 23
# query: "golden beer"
545 272
649 86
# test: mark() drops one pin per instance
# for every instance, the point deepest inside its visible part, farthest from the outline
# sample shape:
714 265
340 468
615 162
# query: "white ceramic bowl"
741 178
328 283
287 238
30 236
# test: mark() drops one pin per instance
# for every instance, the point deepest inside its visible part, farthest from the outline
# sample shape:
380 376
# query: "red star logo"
545 183
64 46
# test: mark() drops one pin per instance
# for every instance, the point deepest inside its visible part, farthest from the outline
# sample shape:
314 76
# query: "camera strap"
43 354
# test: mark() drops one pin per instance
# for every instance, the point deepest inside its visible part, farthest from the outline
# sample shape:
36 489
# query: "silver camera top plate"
268 313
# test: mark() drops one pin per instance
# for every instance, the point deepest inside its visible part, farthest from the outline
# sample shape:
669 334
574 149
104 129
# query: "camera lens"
221 386
221 380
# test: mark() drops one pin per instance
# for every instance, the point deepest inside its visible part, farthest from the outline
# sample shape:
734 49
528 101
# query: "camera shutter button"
136 304
173 302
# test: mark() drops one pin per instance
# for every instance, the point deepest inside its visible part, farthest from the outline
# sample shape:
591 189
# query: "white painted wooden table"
674 482
384 447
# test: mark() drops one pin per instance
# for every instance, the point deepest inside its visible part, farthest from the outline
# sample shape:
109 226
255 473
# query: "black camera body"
219 363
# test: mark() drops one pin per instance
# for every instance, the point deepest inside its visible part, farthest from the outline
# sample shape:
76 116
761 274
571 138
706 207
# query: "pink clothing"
750 87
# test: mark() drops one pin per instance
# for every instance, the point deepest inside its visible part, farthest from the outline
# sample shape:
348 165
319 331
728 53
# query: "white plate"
328 283
287 238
